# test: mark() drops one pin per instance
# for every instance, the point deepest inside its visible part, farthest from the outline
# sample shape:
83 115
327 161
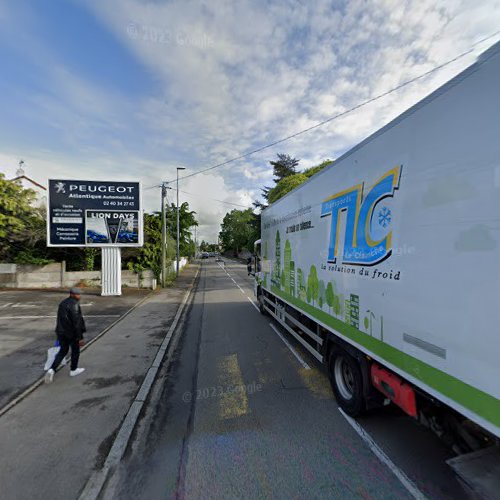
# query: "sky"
132 89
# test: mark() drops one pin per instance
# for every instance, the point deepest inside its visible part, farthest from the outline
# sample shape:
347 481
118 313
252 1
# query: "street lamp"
164 187
177 267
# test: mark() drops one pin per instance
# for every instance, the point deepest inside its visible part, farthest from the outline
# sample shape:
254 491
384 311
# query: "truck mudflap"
395 388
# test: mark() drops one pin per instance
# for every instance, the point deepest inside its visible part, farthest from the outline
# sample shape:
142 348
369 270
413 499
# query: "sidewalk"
53 440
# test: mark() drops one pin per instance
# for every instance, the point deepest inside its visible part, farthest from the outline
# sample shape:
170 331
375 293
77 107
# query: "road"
237 412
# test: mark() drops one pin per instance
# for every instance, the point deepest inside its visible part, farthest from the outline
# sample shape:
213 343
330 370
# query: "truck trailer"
385 265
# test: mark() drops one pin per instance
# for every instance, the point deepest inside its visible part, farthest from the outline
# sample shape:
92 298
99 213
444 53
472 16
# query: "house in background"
28 183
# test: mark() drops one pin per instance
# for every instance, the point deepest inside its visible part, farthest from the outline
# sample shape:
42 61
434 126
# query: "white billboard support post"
111 274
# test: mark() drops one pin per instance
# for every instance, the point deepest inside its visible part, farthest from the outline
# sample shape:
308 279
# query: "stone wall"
55 276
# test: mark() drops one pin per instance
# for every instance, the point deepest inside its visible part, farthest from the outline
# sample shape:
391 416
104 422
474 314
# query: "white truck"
385 265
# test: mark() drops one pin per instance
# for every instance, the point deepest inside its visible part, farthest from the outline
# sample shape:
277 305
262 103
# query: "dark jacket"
70 323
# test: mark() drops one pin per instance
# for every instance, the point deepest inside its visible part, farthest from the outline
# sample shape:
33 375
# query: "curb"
95 483
40 381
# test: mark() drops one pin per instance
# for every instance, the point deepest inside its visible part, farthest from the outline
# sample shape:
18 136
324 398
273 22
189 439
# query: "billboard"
94 213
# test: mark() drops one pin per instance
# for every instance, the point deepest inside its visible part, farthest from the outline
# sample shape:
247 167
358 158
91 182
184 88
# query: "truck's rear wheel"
347 382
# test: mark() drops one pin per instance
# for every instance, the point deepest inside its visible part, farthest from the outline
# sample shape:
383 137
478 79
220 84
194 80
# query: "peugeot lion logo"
60 187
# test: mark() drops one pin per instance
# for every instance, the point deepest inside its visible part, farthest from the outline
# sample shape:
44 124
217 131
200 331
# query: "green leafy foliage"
239 230
22 226
187 220
313 285
284 166
321 293
329 295
291 181
149 256
284 186
208 247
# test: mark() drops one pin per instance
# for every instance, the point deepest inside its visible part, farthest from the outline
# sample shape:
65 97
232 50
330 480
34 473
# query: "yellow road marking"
316 382
233 403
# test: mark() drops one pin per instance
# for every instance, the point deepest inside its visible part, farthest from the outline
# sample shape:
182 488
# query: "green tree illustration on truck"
312 285
293 283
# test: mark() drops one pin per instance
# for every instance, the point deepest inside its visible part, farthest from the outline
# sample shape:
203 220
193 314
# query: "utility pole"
195 244
178 231
163 232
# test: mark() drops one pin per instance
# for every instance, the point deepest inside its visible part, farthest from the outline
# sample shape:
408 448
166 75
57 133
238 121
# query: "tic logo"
368 221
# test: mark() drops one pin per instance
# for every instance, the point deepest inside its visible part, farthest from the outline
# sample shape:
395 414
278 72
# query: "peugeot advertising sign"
94 213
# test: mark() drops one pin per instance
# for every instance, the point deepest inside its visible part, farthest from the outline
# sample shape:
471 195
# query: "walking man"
70 328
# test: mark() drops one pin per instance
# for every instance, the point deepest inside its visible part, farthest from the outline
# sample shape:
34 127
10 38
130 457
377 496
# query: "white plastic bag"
51 355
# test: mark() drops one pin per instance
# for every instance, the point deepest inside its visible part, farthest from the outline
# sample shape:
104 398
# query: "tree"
149 256
187 220
90 258
265 194
313 284
208 247
290 182
282 279
329 295
309 172
22 226
239 230
321 294
337 305
301 294
286 178
284 186
284 166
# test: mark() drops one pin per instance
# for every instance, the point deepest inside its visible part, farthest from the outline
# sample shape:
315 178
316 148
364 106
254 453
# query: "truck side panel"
396 246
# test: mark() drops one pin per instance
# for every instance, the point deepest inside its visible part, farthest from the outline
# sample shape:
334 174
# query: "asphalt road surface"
27 323
236 413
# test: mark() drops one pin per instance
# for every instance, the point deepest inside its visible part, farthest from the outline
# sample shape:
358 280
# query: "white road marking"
403 478
294 352
253 304
241 289
54 316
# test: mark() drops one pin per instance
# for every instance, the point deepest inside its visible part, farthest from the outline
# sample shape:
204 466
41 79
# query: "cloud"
211 200
229 77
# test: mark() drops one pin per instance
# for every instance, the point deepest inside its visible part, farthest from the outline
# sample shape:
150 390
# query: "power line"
214 199
343 113
201 196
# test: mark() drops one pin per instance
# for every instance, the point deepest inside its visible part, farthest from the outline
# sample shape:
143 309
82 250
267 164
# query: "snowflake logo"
60 187
384 217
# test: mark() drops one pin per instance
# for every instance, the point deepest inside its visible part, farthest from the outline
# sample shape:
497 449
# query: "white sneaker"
49 376
74 373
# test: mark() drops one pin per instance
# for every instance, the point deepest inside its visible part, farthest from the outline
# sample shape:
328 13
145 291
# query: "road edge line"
40 381
409 485
95 483
290 347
